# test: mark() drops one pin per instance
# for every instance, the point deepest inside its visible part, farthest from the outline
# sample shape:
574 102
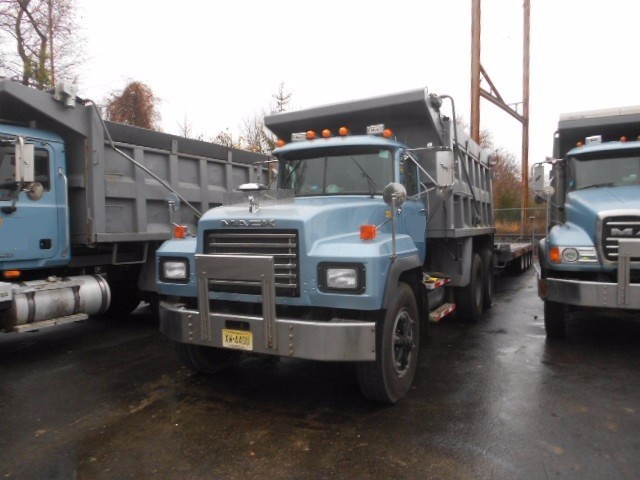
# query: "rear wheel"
470 298
555 319
125 297
389 377
488 263
207 360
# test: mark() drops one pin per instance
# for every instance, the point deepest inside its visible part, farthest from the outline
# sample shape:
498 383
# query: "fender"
398 267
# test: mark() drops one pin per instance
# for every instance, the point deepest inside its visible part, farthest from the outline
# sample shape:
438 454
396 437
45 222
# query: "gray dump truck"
380 218
84 204
590 257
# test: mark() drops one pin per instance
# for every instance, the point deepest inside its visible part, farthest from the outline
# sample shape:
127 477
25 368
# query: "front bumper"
620 295
334 340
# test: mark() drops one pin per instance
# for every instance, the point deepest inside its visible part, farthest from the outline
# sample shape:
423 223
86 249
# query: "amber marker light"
180 231
579 144
623 138
11 274
368 232
326 133
554 255
344 131
311 135
387 133
281 143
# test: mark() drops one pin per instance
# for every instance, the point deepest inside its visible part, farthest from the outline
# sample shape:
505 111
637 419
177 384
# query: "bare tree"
225 137
45 37
136 105
254 136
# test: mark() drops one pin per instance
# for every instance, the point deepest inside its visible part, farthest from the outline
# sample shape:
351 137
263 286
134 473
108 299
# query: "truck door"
414 209
33 223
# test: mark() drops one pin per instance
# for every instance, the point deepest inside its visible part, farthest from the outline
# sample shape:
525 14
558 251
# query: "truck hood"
584 206
317 218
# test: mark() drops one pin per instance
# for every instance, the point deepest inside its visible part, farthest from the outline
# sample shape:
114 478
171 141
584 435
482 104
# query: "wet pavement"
109 400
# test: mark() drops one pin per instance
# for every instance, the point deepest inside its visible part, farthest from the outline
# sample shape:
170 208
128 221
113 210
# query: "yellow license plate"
239 339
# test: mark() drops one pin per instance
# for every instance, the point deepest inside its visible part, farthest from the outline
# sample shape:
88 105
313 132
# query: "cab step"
30 327
441 312
434 280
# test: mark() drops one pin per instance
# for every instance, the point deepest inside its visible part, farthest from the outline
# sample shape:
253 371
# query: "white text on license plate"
239 339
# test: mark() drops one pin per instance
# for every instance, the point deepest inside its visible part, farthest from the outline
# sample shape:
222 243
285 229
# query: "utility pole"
478 74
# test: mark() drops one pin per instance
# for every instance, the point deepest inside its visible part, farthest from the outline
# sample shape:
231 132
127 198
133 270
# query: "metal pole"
525 104
475 70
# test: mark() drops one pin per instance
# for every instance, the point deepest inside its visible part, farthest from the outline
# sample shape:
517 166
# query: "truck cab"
34 215
590 258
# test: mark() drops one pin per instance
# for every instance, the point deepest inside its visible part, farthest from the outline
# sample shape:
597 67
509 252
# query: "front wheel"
207 360
555 319
389 377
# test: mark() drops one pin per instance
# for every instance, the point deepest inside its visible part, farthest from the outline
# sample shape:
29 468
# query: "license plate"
239 339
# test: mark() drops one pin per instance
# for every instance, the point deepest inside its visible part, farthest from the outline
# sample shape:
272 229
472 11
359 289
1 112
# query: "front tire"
555 320
390 376
207 360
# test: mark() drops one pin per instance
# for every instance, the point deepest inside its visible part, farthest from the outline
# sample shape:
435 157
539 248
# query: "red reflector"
368 232
180 231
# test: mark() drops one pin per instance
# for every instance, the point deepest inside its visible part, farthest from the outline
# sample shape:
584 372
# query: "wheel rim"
403 342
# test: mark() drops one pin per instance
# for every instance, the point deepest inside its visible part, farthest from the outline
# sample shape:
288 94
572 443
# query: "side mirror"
394 191
25 159
538 182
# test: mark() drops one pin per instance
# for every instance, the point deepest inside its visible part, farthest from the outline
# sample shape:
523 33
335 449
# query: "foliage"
47 42
136 105
507 181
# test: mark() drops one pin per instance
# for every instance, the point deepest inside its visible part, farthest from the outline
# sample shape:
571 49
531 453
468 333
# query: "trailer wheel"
470 298
389 377
555 320
488 263
207 360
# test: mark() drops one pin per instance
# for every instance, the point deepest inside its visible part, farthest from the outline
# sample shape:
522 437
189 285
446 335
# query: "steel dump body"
111 200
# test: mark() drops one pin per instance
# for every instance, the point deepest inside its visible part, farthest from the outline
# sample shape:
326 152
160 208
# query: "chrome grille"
282 245
616 228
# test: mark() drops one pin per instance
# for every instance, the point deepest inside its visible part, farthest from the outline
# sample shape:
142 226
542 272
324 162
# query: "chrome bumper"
621 295
337 339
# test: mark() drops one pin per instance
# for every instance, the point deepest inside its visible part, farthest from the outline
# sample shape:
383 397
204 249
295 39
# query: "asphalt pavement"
109 400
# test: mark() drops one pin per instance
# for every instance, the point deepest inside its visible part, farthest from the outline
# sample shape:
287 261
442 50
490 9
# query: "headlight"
569 255
174 270
573 255
344 278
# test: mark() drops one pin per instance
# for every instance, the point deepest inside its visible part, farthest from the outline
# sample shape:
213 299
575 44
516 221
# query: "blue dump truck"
590 257
373 217
84 204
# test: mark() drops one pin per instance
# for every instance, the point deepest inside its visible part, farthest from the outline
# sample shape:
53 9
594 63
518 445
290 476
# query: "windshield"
600 170
352 170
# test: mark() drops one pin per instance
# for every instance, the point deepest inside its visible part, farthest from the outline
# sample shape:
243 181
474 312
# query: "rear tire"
470 298
555 320
207 360
488 263
389 377
125 297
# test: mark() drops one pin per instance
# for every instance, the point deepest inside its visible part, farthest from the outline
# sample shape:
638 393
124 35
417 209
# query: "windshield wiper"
598 185
370 182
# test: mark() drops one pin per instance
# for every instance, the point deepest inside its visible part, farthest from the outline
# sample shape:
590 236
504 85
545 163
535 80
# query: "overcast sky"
215 63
